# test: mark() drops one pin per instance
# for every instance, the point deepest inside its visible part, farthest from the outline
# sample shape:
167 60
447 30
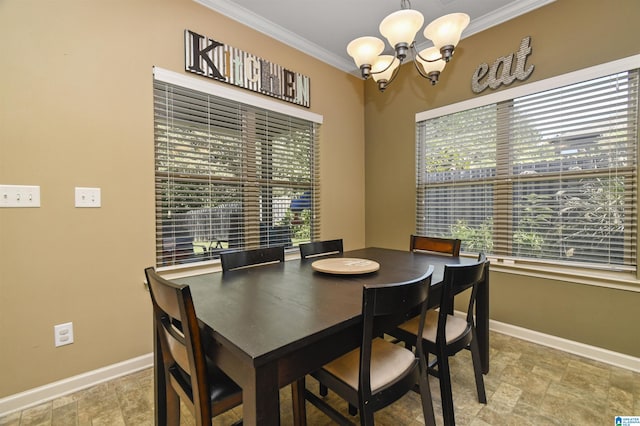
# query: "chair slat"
319 248
449 246
243 258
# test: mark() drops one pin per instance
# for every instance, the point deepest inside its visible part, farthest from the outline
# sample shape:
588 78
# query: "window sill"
619 280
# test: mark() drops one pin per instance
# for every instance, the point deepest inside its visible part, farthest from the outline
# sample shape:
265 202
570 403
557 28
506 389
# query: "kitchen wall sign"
212 59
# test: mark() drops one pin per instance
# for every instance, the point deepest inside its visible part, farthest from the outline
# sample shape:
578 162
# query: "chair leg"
427 402
324 391
366 416
446 394
477 367
172 406
353 410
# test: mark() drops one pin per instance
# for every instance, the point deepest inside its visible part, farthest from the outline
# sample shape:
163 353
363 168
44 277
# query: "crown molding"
246 17
503 14
497 17
258 23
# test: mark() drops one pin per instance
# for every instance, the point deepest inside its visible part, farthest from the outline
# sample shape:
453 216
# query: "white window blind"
230 175
549 175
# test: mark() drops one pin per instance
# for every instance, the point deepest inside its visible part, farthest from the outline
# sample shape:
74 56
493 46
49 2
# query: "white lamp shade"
432 53
401 26
446 30
382 63
365 50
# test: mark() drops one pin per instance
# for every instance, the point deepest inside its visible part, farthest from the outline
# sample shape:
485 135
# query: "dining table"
273 324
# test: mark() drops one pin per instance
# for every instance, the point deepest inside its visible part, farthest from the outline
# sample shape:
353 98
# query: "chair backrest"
449 246
243 258
384 302
458 278
318 248
180 341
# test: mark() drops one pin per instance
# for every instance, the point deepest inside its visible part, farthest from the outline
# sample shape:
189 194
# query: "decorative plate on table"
345 265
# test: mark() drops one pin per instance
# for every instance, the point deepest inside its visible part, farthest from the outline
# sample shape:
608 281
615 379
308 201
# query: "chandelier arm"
433 76
422 74
394 75
415 53
384 70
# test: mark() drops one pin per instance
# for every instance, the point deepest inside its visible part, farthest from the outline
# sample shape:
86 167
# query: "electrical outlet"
19 196
87 197
63 334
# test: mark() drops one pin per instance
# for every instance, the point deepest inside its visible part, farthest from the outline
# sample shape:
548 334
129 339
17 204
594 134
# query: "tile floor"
528 384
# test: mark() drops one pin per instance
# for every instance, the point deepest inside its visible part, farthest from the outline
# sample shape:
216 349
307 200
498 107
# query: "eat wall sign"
502 71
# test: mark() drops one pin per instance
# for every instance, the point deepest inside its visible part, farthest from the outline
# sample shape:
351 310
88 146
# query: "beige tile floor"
528 385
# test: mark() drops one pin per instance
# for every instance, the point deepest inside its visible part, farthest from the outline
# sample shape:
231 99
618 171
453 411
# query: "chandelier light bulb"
365 50
432 63
400 28
384 67
447 30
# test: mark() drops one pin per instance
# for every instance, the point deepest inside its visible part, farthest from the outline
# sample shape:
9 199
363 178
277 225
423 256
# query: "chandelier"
400 28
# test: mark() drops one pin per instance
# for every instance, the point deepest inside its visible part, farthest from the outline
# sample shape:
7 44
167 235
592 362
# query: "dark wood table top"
265 312
276 323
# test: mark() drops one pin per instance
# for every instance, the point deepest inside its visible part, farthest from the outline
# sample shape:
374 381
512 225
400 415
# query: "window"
231 171
549 175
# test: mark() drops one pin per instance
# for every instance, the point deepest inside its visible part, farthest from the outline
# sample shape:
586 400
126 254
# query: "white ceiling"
324 28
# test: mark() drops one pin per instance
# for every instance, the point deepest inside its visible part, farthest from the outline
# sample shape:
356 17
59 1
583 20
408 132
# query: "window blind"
549 175
230 175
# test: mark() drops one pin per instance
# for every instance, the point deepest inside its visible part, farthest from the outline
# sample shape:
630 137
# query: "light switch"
87 197
19 196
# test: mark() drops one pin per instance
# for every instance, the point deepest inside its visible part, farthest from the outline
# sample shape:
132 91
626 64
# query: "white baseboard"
41 394
57 389
592 352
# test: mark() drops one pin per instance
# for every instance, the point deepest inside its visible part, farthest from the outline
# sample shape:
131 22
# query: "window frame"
258 102
621 278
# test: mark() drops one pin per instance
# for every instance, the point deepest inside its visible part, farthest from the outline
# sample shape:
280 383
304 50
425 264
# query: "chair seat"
224 387
388 362
455 327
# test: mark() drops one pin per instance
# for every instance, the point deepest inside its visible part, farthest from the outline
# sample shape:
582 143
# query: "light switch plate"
19 196
88 197
63 334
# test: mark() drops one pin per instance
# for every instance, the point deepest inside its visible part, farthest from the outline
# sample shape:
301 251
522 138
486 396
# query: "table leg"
299 406
261 397
482 320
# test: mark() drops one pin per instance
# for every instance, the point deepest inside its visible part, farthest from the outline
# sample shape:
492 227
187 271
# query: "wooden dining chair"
418 243
239 259
379 372
449 246
320 248
323 248
190 372
236 259
444 334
